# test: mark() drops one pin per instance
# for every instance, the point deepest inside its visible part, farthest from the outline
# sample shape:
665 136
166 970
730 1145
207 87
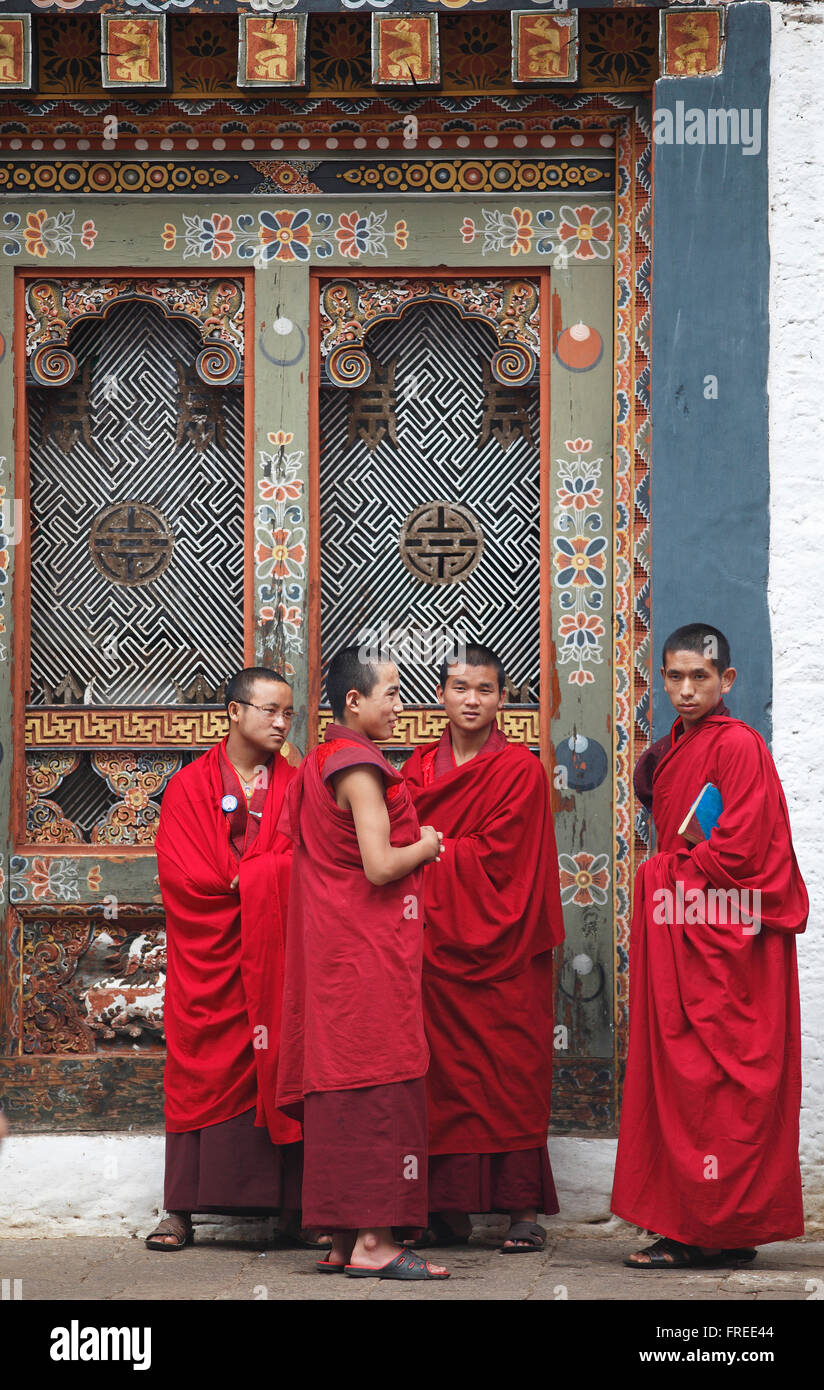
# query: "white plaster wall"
112 1184
796 583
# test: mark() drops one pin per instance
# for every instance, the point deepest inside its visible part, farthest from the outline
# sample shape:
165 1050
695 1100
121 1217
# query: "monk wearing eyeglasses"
224 876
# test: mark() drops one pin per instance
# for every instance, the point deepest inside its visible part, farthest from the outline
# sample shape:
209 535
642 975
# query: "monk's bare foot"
644 1257
374 1249
667 1254
312 1238
340 1251
524 1239
289 1228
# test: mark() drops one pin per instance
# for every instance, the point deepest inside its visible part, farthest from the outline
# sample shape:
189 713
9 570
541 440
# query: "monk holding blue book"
708 1146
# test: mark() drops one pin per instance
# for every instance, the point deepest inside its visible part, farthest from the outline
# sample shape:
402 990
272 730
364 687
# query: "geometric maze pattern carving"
365 497
86 726
129 644
520 724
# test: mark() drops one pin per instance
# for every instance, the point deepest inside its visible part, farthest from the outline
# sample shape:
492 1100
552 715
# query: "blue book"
703 815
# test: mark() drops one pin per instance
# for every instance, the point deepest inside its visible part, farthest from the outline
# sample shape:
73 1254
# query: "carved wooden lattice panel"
441 434
105 797
137 516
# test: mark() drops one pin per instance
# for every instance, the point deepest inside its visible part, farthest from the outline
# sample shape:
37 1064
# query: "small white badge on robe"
229 802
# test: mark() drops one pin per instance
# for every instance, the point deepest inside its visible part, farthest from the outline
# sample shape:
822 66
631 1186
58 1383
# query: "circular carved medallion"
441 542
131 542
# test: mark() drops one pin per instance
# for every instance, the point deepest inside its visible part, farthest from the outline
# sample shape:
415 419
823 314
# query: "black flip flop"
406 1265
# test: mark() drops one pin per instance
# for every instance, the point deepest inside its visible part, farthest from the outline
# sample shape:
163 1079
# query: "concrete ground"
582 1267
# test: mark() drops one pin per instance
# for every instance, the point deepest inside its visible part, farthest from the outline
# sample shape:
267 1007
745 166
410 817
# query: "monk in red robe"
708 1145
353 1053
493 915
224 876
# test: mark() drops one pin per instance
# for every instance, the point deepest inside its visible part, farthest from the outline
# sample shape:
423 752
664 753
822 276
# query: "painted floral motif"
44 878
468 231
545 245
272 5
47 234
283 490
207 236
290 619
510 231
280 483
578 489
584 878
581 632
507 231
325 222
285 236
580 560
359 235
281 551
585 231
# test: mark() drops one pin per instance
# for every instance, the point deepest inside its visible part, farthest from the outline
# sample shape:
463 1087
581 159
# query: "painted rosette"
348 366
218 364
513 364
53 366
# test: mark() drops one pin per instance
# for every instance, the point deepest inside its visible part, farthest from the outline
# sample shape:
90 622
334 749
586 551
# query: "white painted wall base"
112 1184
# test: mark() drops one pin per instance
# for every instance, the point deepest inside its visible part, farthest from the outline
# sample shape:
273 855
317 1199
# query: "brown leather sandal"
530 1237
179 1227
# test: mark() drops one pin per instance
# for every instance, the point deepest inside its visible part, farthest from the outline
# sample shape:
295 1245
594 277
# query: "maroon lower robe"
223 966
232 1168
708 1143
493 914
353 1052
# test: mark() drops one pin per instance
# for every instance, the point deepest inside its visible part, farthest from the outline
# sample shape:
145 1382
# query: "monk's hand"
235 881
433 840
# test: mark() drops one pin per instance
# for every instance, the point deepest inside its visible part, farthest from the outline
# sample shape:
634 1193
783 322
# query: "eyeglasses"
268 710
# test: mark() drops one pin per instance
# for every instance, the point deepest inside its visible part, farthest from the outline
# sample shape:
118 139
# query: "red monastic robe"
225 946
708 1145
352 1012
493 914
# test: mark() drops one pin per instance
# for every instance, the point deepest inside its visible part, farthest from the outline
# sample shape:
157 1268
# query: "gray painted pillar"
710 464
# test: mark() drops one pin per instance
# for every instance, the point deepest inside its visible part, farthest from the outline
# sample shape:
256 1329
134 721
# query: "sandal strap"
526 1230
172 1226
